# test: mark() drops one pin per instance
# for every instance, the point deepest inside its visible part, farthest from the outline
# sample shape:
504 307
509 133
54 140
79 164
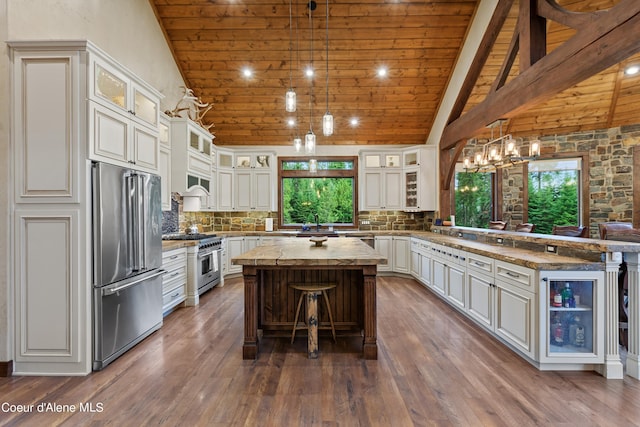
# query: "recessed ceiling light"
291 122
247 72
354 121
309 72
632 70
382 72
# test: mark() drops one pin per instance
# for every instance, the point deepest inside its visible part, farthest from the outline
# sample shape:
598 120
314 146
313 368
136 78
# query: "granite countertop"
335 251
522 257
169 245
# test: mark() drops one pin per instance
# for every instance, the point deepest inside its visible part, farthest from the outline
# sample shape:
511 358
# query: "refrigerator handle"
142 238
136 202
132 240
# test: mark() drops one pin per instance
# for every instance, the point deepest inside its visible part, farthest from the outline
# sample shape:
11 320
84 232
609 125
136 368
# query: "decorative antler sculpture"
195 108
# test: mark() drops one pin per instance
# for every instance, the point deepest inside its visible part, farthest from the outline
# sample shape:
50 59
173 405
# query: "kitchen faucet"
315 217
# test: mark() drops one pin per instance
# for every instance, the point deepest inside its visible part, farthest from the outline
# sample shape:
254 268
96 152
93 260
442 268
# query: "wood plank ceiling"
417 41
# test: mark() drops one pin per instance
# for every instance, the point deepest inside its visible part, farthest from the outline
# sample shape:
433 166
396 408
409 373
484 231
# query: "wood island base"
270 303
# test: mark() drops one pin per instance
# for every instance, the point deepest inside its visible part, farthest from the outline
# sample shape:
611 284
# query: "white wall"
5 315
125 29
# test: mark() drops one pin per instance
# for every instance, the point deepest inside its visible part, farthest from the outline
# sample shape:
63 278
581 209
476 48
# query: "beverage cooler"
572 314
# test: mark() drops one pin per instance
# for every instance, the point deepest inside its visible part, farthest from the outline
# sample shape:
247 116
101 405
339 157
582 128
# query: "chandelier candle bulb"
534 148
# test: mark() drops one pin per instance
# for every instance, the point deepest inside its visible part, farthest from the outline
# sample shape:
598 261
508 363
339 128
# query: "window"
330 192
554 193
473 197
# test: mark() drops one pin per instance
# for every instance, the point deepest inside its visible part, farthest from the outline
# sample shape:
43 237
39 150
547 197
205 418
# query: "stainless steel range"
209 258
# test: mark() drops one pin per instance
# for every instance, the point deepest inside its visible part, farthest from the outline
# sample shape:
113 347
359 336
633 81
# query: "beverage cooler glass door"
573 319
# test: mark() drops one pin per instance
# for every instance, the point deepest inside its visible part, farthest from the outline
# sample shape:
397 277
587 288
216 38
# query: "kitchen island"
269 301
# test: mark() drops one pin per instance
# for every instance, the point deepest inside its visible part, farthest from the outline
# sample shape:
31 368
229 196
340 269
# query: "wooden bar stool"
311 291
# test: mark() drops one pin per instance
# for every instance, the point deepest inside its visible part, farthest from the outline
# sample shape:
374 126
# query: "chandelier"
501 152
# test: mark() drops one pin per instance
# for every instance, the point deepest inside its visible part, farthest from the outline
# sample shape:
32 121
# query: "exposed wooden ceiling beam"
493 29
594 48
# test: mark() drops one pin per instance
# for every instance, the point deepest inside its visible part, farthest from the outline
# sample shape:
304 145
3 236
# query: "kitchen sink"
317 234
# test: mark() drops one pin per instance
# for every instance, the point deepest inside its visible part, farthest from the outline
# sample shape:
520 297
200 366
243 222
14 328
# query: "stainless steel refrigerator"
127 256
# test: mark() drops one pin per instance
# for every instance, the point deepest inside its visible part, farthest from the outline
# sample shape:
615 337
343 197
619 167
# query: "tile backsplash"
177 221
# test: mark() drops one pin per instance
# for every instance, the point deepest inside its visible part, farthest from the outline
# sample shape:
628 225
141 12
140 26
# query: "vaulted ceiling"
418 42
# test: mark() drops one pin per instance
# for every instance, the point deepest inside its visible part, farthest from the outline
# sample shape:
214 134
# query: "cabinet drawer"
171 277
516 275
480 263
174 257
173 297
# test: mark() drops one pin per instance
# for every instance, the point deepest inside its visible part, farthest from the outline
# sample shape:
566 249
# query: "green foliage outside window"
329 192
553 199
330 198
473 199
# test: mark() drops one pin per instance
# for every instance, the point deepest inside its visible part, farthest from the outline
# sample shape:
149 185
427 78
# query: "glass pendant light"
310 142
310 137
327 119
297 144
327 124
290 101
290 96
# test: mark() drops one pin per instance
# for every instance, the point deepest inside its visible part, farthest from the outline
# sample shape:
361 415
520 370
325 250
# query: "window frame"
320 173
492 189
583 192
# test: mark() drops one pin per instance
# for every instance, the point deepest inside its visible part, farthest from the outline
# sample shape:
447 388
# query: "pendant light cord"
311 77
290 47
327 56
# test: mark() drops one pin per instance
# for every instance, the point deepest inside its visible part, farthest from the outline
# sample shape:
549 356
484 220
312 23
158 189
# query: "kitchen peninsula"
269 301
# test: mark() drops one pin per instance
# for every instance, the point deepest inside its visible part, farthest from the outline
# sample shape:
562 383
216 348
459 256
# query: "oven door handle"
112 290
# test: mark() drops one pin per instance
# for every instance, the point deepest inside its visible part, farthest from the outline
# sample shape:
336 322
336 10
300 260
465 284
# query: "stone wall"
177 220
395 220
610 174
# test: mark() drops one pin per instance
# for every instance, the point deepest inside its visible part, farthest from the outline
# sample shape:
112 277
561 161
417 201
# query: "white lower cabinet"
455 290
425 269
397 250
480 302
174 280
515 303
439 275
234 246
416 263
449 275
515 320
400 251
383 246
504 308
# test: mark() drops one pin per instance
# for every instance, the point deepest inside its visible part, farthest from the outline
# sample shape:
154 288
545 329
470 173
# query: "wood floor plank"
435 368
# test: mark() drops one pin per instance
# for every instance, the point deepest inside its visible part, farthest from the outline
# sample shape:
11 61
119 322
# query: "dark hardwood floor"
434 368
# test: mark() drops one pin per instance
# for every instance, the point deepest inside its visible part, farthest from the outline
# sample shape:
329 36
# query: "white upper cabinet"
420 179
116 89
254 182
191 148
164 166
377 160
123 117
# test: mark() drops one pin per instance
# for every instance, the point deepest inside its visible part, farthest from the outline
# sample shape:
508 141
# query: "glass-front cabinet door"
411 190
573 317
111 86
382 160
145 107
